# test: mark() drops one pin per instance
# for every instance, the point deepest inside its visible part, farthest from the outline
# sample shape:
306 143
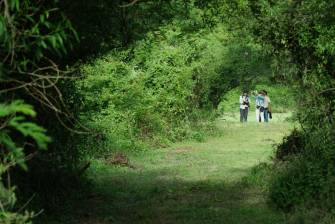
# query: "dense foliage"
302 34
167 65
164 89
31 35
148 73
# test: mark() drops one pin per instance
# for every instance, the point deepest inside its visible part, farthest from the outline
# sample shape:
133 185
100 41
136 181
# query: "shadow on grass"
131 196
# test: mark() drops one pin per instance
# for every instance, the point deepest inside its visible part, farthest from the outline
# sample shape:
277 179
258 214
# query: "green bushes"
294 184
304 165
304 175
33 35
153 97
301 34
291 145
159 89
302 183
166 85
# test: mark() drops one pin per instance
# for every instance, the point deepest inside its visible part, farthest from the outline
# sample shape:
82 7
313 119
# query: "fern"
29 129
16 106
11 114
13 120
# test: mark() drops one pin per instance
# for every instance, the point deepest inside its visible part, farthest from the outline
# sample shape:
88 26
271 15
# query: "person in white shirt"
244 107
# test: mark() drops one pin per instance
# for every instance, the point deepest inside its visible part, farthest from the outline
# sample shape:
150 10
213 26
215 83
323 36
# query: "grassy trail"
189 182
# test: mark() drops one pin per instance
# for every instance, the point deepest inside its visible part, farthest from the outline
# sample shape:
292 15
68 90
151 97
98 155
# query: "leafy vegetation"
163 89
119 76
302 32
32 34
14 116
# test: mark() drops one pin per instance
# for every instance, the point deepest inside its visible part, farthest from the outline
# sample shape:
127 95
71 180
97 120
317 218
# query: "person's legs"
246 111
241 115
257 115
266 115
261 114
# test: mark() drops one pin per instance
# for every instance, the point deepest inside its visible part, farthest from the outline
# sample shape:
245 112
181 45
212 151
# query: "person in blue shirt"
260 99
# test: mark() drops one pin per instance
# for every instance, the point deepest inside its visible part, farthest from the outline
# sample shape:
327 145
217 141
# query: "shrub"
303 175
301 35
296 184
159 92
292 144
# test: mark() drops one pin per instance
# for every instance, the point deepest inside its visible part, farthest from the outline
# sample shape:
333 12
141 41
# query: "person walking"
244 107
267 106
260 107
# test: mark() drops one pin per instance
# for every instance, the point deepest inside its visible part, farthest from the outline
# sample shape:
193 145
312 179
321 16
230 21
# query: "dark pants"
244 114
266 114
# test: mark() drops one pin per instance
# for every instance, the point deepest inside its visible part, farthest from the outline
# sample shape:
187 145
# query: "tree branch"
327 90
129 4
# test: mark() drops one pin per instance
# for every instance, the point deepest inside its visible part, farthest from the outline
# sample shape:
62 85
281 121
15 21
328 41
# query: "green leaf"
29 129
53 41
30 18
44 45
42 18
17 106
6 140
16 154
19 123
15 4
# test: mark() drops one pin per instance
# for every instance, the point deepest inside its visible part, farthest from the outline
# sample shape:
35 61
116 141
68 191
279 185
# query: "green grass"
189 182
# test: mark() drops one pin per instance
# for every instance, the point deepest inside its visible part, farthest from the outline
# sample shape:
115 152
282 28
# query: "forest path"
190 182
